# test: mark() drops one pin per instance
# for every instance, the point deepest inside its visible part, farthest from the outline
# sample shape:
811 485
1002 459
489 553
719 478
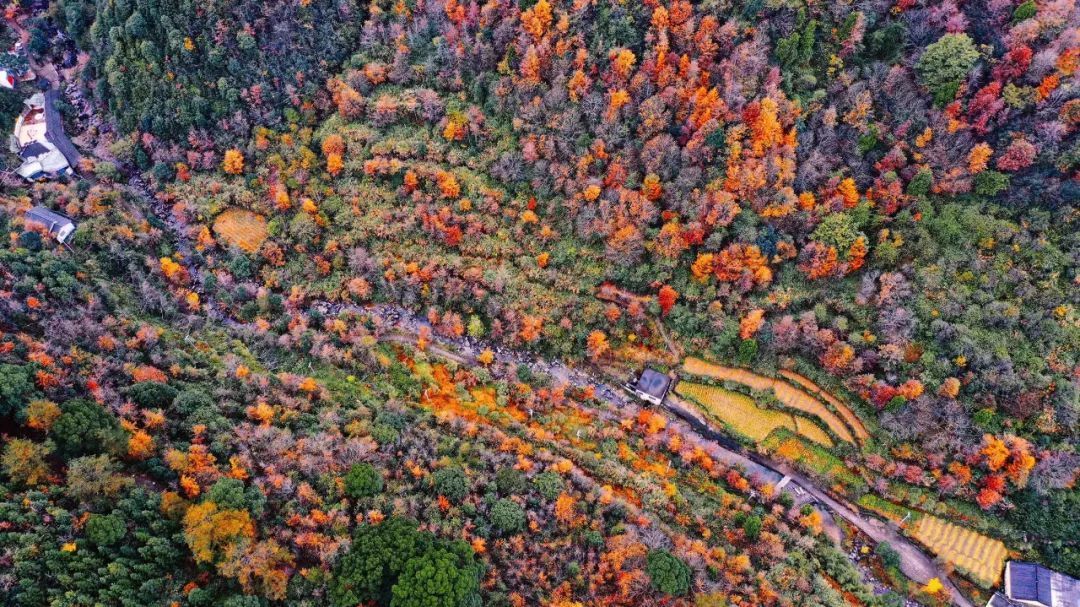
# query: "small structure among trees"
14 67
32 140
58 226
1028 584
652 386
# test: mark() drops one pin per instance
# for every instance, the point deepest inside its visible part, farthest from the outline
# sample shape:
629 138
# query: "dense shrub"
668 573
510 481
152 394
945 64
105 529
507 516
549 485
363 480
16 387
393 563
451 483
84 427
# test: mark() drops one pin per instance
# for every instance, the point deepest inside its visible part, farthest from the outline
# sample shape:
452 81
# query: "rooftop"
33 150
653 383
45 216
1000 600
40 140
1033 583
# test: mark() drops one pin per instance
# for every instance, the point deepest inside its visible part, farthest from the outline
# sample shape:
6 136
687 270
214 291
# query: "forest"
341 266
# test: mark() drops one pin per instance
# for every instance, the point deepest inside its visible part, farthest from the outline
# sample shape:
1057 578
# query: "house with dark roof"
1032 585
57 225
39 140
652 386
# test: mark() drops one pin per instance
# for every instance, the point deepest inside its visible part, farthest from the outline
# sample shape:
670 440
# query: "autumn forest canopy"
355 286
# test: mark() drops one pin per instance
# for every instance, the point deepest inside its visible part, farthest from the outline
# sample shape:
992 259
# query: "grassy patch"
812 457
241 228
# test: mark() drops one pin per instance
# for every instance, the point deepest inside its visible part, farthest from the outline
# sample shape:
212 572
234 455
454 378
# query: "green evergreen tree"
668 573
945 64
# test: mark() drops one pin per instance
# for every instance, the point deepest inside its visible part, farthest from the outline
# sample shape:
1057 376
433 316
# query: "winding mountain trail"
404 326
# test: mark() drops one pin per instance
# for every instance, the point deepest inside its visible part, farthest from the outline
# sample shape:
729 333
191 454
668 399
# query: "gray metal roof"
653 383
55 130
1000 600
1029 583
33 150
1034 583
52 221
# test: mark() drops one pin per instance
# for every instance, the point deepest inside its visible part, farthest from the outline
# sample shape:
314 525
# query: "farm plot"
739 412
983 558
241 228
894 512
787 394
812 431
849 416
817 459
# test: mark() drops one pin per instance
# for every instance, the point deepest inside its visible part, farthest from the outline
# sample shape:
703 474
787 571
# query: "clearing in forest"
983 558
818 460
787 394
241 228
739 412
845 412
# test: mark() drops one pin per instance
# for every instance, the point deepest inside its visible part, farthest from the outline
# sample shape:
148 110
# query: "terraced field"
819 460
739 412
982 557
849 416
812 431
787 394
894 512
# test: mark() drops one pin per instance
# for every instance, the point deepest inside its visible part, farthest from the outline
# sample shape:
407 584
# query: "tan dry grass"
786 393
241 228
849 416
743 416
981 556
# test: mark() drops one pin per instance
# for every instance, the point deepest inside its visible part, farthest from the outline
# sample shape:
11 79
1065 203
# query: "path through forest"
406 327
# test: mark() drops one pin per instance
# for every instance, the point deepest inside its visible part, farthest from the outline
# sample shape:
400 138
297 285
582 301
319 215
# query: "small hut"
652 386
58 226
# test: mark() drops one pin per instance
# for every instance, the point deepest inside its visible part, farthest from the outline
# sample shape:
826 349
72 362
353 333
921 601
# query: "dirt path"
913 561
405 327
44 70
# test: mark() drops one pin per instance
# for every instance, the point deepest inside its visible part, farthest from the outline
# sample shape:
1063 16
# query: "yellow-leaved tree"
212 533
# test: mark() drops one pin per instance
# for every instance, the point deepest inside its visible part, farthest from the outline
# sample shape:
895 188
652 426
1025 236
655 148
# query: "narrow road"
405 327
913 561
54 129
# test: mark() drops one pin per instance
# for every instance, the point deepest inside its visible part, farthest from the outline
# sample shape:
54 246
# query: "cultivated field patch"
841 407
739 412
787 394
983 558
814 457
